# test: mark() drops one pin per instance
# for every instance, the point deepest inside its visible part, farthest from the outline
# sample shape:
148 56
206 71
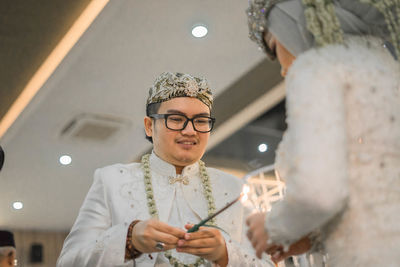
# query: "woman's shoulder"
323 71
358 55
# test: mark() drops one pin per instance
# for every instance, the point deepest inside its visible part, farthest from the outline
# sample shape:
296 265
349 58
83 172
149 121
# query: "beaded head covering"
171 85
257 14
324 21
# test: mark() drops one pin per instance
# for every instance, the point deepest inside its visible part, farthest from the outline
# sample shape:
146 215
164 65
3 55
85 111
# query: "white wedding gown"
340 156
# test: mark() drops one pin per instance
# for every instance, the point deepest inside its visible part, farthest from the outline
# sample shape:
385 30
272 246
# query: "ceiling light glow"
17 205
263 148
199 31
65 160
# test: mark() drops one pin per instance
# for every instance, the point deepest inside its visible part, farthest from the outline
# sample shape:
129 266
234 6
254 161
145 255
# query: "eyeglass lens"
179 122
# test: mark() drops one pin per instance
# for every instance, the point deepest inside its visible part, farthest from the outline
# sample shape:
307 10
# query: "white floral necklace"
205 180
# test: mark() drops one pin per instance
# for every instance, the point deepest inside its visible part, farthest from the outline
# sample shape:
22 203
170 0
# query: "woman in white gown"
340 156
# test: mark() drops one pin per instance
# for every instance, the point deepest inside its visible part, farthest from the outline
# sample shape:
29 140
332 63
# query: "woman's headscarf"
286 20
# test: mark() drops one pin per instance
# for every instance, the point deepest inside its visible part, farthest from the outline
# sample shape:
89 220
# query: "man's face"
180 148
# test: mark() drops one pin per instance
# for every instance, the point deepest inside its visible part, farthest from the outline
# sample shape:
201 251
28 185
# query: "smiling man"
137 214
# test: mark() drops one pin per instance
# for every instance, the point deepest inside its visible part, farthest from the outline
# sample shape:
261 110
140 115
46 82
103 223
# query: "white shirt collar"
166 169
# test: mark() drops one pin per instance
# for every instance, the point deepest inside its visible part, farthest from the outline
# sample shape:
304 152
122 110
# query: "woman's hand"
257 234
207 243
259 239
146 234
299 247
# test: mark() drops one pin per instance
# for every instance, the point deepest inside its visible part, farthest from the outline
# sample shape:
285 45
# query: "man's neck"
179 169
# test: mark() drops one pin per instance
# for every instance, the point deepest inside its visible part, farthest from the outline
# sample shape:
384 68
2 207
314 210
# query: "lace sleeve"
315 159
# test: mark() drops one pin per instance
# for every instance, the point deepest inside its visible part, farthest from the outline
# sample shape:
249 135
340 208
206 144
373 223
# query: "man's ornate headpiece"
171 85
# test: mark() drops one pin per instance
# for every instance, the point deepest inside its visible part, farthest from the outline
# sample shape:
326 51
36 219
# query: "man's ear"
148 124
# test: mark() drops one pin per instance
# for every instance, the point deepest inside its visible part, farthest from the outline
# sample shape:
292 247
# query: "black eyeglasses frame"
165 117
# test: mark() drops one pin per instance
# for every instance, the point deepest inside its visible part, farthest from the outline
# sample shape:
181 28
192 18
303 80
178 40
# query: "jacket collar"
164 168
193 192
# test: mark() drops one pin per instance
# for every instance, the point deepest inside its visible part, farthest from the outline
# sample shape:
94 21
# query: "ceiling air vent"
94 127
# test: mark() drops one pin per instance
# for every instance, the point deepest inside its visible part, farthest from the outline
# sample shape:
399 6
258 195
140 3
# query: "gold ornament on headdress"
171 85
391 11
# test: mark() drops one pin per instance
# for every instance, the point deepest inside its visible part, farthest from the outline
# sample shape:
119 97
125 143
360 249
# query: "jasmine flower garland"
207 189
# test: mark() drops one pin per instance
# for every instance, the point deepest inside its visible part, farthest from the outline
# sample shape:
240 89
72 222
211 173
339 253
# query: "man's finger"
202 233
165 228
198 243
165 238
188 226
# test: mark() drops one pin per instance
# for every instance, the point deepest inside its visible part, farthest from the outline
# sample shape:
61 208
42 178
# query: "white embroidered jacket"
340 156
117 197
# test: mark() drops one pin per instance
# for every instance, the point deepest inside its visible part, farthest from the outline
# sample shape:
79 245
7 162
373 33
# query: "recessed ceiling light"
262 148
17 205
199 31
65 160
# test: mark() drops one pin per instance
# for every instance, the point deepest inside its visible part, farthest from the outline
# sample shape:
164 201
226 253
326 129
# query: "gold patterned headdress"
171 85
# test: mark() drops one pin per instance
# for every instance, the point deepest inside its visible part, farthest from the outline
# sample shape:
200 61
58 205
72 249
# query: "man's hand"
257 234
146 234
207 243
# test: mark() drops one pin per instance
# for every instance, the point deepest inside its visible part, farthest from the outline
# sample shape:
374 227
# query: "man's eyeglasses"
178 122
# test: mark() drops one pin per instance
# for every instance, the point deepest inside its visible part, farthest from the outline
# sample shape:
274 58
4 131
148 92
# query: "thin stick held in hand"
196 227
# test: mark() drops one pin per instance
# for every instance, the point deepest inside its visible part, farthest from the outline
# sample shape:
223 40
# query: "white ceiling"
108 72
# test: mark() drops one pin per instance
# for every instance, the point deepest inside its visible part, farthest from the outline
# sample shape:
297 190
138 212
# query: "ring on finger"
160 246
